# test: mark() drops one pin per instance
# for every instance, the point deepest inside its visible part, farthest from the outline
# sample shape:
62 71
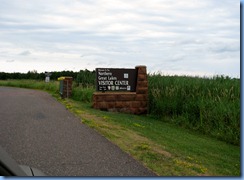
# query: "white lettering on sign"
121 82
102 78
115 79
105 73
105 82
111 78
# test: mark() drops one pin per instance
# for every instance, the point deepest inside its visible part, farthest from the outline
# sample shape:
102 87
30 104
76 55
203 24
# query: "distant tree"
3 76
85 78
32 74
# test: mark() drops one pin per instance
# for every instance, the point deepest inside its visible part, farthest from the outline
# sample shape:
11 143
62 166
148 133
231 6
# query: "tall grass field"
208 105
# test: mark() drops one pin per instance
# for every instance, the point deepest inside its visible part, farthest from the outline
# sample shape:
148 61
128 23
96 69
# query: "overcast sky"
183 37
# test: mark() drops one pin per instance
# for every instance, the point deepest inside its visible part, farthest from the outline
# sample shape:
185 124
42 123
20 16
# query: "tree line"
84 77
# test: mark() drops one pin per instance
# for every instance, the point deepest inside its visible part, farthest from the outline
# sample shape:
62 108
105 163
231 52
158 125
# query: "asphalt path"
36 130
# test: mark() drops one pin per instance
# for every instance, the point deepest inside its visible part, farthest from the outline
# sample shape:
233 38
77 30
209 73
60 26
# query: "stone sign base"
128 102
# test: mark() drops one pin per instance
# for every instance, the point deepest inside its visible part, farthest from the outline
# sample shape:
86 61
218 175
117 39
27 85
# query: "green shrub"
82 94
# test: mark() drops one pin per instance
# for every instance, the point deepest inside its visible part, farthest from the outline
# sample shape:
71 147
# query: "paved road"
38 131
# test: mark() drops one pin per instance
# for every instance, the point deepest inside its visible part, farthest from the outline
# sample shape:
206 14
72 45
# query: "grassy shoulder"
165 148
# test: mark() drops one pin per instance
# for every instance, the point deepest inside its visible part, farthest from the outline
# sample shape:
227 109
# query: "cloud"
25 53
161 34
10 61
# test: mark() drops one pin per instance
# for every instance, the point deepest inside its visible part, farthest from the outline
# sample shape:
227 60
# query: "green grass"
160 144
32 84
163 147
209 106
82 94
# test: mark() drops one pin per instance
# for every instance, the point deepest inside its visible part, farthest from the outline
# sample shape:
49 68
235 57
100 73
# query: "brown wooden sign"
111 79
